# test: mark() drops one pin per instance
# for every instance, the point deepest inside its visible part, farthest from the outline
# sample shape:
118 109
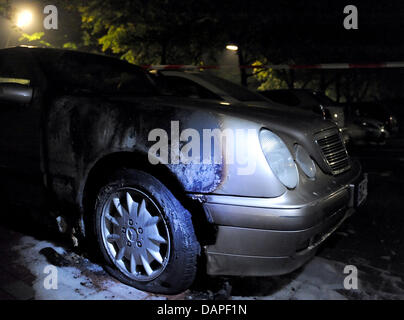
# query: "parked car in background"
366 130
374 111
397 107
93 139
309 100
202 85
369 122
207 87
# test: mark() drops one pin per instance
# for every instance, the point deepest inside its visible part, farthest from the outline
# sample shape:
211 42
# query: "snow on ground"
323 279
319 280
80 279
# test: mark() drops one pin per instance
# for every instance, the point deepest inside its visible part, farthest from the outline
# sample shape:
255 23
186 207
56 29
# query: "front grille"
334 151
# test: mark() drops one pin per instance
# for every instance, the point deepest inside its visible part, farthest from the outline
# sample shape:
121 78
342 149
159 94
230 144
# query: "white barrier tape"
283 66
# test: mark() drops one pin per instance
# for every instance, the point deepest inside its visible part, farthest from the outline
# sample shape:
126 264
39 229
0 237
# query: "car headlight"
305 162
279 158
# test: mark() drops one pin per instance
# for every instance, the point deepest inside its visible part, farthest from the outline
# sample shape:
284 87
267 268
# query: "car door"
20 165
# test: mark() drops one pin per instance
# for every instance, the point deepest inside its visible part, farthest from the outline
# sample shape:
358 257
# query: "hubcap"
135 234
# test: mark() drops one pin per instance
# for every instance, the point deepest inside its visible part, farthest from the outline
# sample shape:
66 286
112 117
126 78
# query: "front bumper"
256 238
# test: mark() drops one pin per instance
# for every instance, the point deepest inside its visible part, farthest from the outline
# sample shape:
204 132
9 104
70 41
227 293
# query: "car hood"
283 119
293 125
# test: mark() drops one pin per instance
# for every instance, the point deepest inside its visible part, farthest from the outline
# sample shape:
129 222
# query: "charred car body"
76 135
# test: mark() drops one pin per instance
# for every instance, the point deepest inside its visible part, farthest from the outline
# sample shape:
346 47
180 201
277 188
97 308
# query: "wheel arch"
96 176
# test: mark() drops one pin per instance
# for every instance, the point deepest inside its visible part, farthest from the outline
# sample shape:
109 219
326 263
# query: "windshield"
83 72
283 97
234 90
322 98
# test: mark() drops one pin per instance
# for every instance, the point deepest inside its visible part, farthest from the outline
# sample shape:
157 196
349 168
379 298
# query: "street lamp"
232 47
24 19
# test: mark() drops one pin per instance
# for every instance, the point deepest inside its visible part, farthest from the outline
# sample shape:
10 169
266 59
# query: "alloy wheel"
135 234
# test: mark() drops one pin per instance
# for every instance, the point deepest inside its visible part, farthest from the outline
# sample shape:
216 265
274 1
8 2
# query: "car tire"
144 234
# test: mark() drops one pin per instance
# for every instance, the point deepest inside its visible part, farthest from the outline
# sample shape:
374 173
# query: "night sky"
306 30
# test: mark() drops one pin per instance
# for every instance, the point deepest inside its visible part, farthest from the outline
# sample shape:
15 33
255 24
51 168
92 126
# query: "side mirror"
15 93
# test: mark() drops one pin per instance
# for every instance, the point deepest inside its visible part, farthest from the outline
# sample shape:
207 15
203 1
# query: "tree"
175 31
196 31
4 7
149 31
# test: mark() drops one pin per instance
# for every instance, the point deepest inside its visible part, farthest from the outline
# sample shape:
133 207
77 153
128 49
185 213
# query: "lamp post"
23 19
243 73
232 47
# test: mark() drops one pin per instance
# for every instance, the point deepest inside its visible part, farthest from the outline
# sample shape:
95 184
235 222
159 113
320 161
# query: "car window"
233 90
96 73
182 87
282 97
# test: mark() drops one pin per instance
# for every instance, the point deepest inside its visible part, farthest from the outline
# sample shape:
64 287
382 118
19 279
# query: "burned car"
91 138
